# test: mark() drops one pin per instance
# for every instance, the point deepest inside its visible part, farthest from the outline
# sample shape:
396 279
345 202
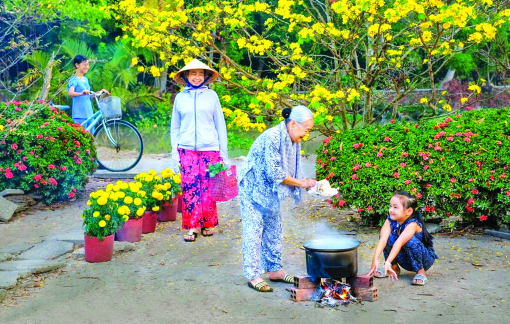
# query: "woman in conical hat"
199 138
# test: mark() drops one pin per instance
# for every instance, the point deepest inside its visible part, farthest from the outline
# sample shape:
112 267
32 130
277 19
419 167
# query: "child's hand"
391 273
374 268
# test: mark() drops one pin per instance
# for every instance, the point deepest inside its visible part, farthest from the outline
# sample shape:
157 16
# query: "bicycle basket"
110 107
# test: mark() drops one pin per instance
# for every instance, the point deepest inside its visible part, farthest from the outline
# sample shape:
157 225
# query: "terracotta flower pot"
98 251
179 204
168 212
149 222
131 231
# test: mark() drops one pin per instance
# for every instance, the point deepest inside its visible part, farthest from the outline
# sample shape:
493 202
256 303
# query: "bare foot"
277 275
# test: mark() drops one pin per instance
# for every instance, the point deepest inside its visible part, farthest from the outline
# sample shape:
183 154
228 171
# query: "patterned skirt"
198 208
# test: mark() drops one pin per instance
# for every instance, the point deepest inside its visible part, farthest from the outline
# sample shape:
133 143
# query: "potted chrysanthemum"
132 201
149 182
170 191
100 222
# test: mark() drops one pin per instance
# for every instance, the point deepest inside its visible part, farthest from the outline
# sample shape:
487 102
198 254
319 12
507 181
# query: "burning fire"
333 293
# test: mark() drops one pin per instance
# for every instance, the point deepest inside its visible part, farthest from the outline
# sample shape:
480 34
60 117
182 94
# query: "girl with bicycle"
78 88
199 138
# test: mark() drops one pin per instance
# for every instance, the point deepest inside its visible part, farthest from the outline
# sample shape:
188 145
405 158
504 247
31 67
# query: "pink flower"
471 201
355 145
325 151
356 167
332 174
467 139
468 134
91 159
32 152
502 176
354 176
396 175
39 136
44 182
369 208
450 138
87 151
483 218
9 175
341 203
426 167
474 191
492 177
402 164
74 189
498 142
14 146
405 154
333 206
53 181
448 119
63 168
367 165
36 185
458 116
416 125
360 209
392 121
471 179
38 178
452 180
333 158
458 134
59 128
468 108
379 154
508 193
71 195
408 182
22 167
418 195
430 145
51 166
78 161
469 209
386 139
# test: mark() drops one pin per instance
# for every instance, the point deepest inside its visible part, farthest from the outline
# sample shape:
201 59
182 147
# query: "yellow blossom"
102 201
155 208
96 214
134 61
137 201
102 223
107 217
128 200
424 100
463 100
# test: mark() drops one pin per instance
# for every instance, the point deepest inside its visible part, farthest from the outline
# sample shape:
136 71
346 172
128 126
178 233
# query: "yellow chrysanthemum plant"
132 200
150 183
102 217
170 185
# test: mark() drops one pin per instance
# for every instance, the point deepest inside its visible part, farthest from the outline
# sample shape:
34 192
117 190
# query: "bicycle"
119 145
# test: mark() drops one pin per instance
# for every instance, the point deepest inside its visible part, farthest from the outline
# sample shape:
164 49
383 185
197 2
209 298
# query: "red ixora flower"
396 175
360 209
369 208
408 182
471 201
474 191
368 165
405 154
498 142
71 194
483 218
402 164
508 193
341 203
354 176
387 139
392 121
468 108
452 180
379 154
418 195
469 208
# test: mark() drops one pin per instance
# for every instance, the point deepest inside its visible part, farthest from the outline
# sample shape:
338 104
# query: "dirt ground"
169 281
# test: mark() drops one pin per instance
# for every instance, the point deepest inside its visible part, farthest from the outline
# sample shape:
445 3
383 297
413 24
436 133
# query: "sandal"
207 229
419 277
288 279
260 286
189 234
380 274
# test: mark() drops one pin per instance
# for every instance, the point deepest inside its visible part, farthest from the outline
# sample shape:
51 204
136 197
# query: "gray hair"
300 114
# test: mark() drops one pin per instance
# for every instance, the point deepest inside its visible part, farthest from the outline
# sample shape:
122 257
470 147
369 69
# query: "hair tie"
286 113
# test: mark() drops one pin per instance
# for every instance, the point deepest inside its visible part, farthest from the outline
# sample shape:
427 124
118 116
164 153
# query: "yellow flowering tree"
350 61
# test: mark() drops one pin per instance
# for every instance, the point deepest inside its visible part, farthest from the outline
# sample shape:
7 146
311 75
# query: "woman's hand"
389 270
85 92
308 183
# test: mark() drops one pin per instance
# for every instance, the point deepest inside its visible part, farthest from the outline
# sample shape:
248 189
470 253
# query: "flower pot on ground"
179 204
98 251
131 231
149 221
169 211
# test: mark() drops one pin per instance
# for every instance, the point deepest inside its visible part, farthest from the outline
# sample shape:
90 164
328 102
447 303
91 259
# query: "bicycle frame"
94 119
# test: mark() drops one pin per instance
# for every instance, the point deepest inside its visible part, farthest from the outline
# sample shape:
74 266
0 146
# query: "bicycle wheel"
124 152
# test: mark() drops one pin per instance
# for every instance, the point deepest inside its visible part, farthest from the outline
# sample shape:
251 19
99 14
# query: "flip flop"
189 233
421 277
206 229
259 287
288 279
381 274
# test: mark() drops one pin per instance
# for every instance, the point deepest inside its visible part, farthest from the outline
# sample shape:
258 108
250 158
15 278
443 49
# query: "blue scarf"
291 163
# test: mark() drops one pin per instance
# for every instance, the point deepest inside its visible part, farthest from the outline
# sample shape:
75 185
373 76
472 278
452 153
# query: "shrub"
43 151
455 165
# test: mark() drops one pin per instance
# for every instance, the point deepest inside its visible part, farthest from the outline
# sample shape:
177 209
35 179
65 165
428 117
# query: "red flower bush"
43 151
455 166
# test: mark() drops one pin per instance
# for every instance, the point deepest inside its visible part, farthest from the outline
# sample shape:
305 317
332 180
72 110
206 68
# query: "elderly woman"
199 138
271 172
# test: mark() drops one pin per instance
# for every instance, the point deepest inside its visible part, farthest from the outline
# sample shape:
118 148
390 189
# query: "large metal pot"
334 258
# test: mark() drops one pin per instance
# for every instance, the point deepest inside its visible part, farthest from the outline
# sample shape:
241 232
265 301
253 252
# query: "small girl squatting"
405 241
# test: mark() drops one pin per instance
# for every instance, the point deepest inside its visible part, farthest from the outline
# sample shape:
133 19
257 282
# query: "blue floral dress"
414 255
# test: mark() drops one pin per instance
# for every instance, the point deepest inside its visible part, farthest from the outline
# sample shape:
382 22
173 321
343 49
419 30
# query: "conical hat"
195 64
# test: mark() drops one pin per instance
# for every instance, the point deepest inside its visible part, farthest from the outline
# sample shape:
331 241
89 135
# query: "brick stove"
361 287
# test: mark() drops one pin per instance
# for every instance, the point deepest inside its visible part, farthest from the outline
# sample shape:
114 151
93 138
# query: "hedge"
455 165
43 151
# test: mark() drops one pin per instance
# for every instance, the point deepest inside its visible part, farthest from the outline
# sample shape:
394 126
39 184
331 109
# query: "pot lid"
332 244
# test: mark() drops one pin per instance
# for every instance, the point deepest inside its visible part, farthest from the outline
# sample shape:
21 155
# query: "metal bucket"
332 258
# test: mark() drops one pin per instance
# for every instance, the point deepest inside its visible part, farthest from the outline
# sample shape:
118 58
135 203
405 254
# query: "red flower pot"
131 231
98 251
179 204
168 212
149 222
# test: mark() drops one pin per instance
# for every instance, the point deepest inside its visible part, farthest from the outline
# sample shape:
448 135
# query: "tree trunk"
162 80
448 77
47 78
